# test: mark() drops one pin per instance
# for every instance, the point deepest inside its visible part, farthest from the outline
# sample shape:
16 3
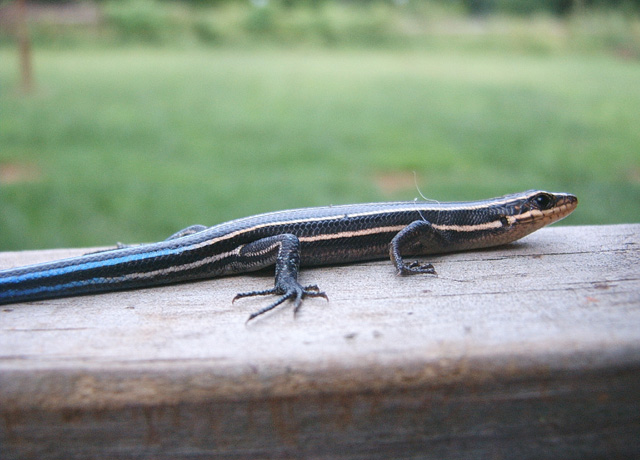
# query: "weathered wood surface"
527 351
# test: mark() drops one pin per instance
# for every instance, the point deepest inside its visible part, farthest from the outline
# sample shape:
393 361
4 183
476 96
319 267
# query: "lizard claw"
295 293
416 267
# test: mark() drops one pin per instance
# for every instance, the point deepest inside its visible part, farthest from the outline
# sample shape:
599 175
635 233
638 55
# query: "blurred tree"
24 46
558 7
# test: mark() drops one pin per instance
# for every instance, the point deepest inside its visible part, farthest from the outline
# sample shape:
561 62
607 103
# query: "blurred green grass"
132 144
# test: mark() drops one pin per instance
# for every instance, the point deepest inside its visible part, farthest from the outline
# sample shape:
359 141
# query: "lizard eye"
543 201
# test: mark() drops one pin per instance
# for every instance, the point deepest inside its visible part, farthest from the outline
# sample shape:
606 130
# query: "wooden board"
528 351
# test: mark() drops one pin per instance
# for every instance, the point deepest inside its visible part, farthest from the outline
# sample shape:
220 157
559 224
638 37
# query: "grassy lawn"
133 144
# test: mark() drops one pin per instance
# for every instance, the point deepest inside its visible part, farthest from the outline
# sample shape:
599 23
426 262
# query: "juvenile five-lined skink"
289 239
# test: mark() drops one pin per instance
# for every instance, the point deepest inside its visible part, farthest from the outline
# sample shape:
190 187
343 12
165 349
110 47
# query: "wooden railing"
527 351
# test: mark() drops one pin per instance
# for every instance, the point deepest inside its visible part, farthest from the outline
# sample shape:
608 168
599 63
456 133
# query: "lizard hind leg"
187 231
184 232
283 251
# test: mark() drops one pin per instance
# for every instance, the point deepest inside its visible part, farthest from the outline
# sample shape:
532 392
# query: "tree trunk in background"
24 47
